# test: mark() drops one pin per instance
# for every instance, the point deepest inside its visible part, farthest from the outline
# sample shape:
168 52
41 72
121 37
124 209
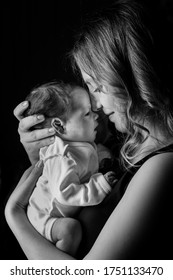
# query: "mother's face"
112 105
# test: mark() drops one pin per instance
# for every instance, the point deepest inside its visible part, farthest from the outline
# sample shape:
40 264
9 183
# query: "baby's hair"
51 100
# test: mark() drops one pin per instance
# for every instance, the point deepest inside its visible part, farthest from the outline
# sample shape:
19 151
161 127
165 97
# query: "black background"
36 36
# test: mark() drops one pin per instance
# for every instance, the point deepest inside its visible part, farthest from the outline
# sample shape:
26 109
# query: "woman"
134 221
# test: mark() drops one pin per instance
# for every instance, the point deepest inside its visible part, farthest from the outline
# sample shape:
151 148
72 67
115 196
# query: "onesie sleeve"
66 185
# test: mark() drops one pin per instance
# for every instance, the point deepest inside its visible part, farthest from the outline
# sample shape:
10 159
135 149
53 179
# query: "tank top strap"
165 149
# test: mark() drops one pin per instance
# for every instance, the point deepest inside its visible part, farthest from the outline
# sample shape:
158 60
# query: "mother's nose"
95 103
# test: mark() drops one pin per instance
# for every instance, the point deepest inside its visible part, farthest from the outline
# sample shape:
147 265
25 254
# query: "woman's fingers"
25 175
35 139
26 135
26 123
18 111
30 121
33 174
21 194
32 148
27 184
35 135
32 139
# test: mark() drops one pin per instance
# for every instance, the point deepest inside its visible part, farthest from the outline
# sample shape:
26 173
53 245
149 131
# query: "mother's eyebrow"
90 80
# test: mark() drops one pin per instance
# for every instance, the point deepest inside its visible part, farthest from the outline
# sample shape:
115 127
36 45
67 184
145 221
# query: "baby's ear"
59 125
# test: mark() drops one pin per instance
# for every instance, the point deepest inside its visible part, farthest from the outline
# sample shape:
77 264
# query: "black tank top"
93 218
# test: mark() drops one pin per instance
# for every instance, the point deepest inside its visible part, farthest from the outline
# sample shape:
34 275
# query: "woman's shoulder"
142 214
160 162
155 174
155 158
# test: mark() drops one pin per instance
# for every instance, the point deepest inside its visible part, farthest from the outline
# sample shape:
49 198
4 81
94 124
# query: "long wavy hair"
114 45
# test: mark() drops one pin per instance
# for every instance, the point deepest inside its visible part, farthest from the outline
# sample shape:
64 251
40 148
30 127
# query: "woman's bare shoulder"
153 179
155 171
137 210
159 159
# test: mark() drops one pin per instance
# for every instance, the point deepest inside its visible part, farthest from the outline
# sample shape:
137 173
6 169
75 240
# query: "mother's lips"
110 114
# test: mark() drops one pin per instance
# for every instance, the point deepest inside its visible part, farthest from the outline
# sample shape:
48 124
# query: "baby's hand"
110 178
105 165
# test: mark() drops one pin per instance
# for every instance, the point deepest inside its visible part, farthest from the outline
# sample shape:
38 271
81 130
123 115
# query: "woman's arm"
32 140
32 243
140 212
133 215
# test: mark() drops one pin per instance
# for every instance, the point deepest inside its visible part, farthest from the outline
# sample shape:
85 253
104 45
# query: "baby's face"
81 124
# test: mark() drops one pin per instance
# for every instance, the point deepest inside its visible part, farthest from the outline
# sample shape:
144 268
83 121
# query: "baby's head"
51 100
67 108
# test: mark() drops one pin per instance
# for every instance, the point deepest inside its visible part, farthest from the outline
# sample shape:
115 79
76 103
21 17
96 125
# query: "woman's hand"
20 197
32 140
